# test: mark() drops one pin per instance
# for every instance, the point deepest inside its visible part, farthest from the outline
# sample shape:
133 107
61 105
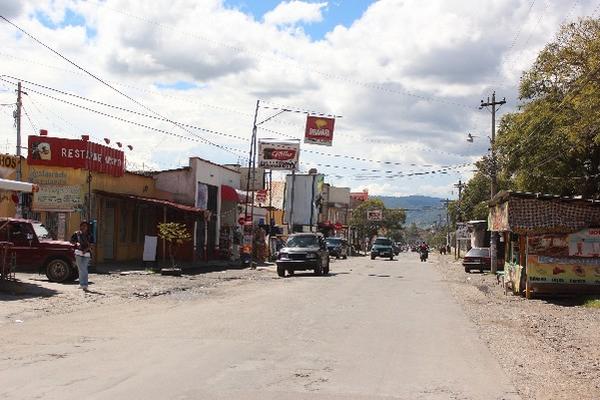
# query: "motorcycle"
246 257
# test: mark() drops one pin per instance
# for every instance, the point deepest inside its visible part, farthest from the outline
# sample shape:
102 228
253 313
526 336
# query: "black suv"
382 247
303 251
337 247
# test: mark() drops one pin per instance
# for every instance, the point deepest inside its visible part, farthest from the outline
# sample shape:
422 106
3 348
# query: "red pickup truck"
36 251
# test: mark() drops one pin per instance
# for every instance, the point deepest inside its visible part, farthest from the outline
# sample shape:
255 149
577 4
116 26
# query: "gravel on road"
549 348
33 296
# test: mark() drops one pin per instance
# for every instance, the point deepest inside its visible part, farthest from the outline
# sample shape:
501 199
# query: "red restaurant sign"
74 153
319 130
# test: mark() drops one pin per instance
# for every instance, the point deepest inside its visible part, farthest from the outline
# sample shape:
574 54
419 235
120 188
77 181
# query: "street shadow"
311 275
18 290
567 300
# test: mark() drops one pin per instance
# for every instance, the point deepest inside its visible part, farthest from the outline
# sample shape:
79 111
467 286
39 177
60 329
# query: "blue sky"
337 12
71 18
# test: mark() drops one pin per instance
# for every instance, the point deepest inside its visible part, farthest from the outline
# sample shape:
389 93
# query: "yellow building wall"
129 183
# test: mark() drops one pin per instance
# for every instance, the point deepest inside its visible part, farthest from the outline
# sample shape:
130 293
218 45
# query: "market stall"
7 254
552 244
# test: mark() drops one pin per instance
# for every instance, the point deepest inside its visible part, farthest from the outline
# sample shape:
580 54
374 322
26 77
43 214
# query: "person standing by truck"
83 253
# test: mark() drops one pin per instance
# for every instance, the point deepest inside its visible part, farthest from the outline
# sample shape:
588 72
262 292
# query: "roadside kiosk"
552 243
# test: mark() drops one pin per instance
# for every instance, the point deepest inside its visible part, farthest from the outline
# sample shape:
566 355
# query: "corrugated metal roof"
159 202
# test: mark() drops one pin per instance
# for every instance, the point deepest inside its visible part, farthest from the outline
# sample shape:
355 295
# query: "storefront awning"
150 200
17 186
229 194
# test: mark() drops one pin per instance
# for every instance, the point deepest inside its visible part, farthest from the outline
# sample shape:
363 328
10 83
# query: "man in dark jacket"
83 254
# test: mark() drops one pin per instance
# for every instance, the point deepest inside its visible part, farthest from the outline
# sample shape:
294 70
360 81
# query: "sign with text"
74 153
278 155
319 130
8 165
569 271
374 215
57 198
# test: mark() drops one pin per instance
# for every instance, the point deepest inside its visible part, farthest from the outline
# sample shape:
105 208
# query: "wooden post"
164 243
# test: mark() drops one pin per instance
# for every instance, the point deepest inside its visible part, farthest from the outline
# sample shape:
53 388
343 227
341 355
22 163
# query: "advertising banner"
585 243
202 196
498 218
319 130
462 231
278 155
64 198
374 215
75 153
543 269
302 207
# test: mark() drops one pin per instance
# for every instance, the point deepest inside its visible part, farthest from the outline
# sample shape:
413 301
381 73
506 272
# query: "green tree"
391 223
475 196
412 233
552 143
175 234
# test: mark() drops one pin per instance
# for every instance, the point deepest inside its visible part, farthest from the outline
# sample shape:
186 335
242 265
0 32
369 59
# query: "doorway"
108 231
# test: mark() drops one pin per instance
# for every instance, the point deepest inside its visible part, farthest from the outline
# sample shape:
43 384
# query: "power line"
226 134
239 151
29 119
192 126
97 78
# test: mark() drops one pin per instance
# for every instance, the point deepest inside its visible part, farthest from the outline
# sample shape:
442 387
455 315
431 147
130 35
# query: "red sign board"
319 130
74 153
261 196
278 155
338 226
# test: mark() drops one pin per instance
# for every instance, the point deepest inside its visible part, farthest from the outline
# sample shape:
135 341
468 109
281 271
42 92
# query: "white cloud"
295 11
385 74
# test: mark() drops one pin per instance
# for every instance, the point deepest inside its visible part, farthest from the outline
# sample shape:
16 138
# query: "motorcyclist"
424 251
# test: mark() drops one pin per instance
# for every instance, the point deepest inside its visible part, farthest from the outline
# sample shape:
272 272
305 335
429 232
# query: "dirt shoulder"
550 350
33 296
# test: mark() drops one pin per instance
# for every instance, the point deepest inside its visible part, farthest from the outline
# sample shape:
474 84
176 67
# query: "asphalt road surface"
371 330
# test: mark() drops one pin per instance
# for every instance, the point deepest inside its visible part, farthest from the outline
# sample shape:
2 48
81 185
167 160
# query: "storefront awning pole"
164 243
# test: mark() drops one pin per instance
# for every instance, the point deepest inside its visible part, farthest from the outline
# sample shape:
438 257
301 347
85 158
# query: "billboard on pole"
278 155
374 215
319 130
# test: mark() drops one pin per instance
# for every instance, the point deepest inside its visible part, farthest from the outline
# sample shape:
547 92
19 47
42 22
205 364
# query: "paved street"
372 330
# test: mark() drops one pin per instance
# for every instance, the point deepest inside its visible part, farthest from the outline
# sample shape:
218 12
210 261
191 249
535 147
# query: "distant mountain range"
422 210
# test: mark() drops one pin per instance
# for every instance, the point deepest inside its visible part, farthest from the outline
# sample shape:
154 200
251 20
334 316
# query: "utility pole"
19 172
460 185
446 204
493 106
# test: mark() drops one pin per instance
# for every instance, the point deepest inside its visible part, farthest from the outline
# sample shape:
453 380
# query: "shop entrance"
108 231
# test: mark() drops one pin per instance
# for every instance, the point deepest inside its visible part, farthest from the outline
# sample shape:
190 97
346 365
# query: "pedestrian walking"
83 254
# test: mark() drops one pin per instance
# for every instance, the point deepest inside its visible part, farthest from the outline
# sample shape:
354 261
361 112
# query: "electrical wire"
240 151
192 126
210 130
97 78
29 118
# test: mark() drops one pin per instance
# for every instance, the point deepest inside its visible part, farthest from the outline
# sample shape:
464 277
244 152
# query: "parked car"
303 251
477 258
382 247
337 247
36 251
